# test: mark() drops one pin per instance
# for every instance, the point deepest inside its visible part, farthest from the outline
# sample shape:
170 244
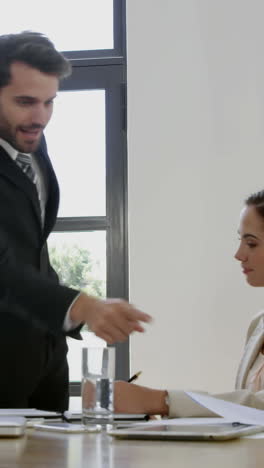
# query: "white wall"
195 151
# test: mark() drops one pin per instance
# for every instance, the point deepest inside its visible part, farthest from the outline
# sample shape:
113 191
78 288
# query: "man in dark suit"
36 312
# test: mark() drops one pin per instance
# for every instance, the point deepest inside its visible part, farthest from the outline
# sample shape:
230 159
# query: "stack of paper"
232 411
29 413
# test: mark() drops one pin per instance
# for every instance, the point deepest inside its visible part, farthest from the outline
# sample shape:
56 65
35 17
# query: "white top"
255 379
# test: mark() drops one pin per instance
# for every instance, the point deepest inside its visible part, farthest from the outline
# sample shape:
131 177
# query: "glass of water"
98 374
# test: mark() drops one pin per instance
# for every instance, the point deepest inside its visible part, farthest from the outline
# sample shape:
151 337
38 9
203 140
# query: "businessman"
36 312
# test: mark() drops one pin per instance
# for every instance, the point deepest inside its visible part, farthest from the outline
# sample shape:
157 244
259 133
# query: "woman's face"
251 249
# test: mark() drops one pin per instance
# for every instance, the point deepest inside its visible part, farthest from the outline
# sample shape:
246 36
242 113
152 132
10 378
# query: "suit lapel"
51 187
251 351
10 170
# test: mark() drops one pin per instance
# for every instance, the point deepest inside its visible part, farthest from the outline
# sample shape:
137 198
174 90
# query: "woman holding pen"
249 389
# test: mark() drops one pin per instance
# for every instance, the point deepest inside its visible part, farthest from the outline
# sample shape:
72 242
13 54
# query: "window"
87 145
80 115
84 25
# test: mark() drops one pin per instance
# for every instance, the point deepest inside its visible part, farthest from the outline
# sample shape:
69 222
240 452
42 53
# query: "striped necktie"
24 161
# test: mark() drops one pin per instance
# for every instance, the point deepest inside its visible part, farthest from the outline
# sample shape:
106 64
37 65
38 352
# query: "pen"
135 376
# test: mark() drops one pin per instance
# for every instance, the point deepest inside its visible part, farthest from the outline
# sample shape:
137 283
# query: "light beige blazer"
180 405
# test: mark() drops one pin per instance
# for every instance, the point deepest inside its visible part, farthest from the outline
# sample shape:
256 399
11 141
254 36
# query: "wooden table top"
39 449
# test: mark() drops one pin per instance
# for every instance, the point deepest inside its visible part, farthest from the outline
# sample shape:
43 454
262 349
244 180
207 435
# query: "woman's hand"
131 398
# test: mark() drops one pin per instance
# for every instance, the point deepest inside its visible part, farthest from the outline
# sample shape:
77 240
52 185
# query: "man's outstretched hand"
112 320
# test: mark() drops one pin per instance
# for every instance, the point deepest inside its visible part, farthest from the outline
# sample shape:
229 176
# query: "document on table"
232 411
29 413
77 415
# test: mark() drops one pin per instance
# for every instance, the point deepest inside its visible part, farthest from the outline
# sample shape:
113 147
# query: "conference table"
39 449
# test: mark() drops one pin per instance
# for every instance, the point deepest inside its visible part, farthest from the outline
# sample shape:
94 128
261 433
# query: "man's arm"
111 319
45 302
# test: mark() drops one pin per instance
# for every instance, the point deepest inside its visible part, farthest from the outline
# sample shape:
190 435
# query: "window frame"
106 69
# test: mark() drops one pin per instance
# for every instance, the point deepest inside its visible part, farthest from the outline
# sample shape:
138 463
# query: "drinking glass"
98 374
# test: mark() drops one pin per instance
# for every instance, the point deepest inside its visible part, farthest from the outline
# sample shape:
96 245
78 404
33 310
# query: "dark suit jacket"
29 286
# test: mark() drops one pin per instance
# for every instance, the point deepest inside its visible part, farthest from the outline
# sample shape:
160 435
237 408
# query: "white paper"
117 416
231 411
28 412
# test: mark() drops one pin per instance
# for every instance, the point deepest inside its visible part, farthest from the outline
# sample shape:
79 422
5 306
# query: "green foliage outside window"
76 269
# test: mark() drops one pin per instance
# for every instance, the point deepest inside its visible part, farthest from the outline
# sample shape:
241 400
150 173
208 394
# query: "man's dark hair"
35 50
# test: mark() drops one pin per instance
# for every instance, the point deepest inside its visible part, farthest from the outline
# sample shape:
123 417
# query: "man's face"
26 105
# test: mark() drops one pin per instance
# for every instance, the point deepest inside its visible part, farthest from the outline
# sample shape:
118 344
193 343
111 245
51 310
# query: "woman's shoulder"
254 322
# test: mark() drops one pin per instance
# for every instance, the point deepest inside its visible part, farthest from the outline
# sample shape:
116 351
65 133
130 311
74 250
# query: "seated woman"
249 389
